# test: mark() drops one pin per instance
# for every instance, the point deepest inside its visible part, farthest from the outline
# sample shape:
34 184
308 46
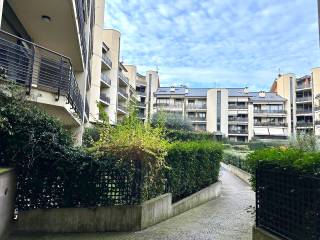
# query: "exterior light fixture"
46 18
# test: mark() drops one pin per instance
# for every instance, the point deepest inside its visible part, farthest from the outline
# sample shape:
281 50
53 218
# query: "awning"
261 131
277 131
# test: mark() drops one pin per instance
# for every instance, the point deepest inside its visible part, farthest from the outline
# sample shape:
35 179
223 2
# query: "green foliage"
256 144
305 142
183 135
236 158
90 136
287 158
133 142
171 121
193 166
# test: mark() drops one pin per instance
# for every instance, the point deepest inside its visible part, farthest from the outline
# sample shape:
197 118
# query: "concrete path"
229 217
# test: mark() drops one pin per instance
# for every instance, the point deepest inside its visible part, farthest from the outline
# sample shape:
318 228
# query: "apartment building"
303 95
46 46
234 113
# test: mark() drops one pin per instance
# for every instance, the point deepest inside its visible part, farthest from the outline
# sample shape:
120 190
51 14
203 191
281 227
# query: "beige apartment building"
303 95
234 113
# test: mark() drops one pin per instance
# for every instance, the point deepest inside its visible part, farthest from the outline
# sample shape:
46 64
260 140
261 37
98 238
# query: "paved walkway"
229 217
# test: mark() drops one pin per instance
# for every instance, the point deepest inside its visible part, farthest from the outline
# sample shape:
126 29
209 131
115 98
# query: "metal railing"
123 78
34 66
273 124
104 97
287 202
141 104
302 111
238 106
304 99
243 131
238 119
144 83
141 93
196 106
123 92
81 24
105 79
107 60
280 111
303 86
304 124
197 118
123 108
167 105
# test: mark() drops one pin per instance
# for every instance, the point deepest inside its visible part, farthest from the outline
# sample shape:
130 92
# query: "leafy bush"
236 158
256 144
193 166
133 142
183 135
171 121
90 136
287 158
305 142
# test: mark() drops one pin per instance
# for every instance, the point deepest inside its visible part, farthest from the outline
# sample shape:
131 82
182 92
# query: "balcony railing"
104 98
123 78
197 106
141 104
304 99
244 131
33 66
123 108
167 105
141 93
317 122
107 60
81 24
238 106
281 111
303 86
123 92
304 124
197 118
105 79
144 83
304 111
272 124
141 115
238 119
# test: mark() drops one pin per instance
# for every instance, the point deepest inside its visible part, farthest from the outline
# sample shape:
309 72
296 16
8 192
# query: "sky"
217 43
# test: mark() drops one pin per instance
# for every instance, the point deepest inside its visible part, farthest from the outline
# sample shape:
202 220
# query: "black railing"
304 124
273 124
270 111
33 66
123 92
304 111
197 106
238 131
238 106
81 24
141 104
288 203
197 118
104 97
238 119
105 79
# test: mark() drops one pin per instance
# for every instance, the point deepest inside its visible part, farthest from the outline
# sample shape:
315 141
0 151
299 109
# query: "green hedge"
258 144
182 135
236 158
287 158
193 166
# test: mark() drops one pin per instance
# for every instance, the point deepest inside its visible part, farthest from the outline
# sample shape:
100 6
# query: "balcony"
236 120
122 108
196 106
141 93
106 60
141 104
197 119
303 86
259 111
123 78
304 99
241 131
304 111
81 24
105 80
270 124
141 83
141 115
104 99
304 124
123 93
167 105
36 67
237 107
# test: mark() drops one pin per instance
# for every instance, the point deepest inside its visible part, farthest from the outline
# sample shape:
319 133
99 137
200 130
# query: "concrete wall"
7 196
112 218
243 175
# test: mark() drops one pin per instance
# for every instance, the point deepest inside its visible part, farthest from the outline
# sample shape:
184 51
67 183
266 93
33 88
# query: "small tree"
305 142
172 121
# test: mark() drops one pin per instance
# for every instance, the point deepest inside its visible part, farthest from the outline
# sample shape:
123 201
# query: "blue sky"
217 43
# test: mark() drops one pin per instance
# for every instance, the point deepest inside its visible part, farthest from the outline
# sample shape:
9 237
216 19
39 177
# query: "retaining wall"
243 175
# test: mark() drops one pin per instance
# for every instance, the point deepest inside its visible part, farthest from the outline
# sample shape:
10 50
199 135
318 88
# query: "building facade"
234 113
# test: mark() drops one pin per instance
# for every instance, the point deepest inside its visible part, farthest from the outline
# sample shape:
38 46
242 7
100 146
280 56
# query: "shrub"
90 136
193 165
135 143
305 142
182 135
289 158
171 121
256 144
236 158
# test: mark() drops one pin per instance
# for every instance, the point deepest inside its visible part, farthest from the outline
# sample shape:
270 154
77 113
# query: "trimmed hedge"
236 158
258 144
286 158
193 166
182 135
